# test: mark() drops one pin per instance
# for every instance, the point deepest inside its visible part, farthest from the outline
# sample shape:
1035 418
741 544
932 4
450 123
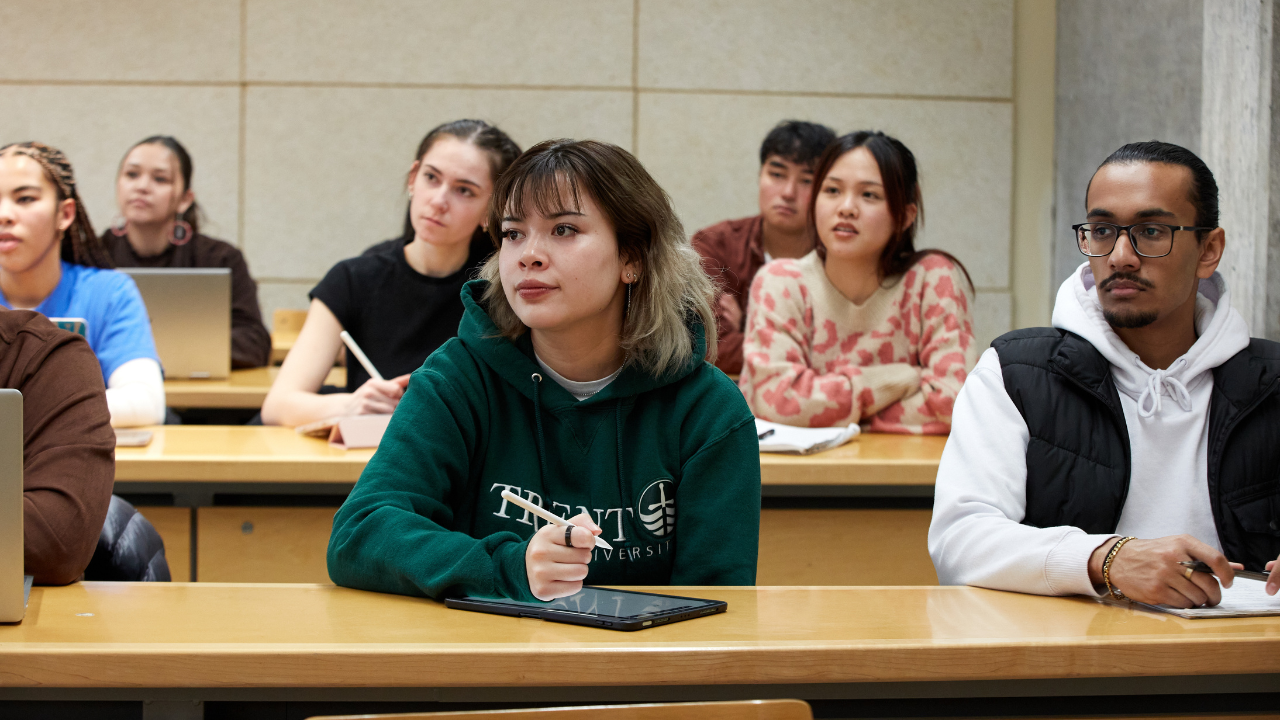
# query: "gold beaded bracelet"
1106 568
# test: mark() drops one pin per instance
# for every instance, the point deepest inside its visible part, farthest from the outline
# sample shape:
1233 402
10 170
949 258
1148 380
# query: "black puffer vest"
1078 456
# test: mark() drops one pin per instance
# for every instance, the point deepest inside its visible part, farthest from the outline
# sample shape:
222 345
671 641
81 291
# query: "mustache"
1126 276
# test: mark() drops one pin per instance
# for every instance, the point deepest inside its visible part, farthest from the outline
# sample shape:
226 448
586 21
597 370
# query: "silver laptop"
190 311
14 586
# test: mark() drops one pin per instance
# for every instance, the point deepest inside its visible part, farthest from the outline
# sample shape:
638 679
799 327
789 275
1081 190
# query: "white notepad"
1245 598
802 441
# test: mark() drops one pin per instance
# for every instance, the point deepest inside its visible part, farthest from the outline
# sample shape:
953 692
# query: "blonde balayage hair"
672 288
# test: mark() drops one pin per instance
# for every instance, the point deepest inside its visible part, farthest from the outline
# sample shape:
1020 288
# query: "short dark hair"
1204 189
797 141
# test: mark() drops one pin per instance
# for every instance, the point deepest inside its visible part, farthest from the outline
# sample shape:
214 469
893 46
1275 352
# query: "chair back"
733 710
288 321
129 548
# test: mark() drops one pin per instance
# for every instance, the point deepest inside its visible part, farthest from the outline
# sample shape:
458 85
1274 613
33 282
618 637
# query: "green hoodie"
426 517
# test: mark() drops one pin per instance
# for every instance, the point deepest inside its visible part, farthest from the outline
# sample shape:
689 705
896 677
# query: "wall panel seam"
376 85
472 86
1013 165
123 83
818 94
635 77
242 113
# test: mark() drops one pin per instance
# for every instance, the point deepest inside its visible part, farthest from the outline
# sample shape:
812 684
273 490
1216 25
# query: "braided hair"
79 244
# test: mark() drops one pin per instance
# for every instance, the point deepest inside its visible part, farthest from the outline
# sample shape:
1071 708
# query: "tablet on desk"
600 607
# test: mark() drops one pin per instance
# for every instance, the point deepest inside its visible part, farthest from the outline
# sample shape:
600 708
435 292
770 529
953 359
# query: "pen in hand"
553 519
1200 566
364 359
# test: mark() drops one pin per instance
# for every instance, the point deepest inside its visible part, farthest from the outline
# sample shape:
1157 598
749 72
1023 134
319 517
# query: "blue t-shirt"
116 322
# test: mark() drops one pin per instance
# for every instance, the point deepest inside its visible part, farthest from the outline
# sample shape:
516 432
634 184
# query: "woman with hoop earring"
159 226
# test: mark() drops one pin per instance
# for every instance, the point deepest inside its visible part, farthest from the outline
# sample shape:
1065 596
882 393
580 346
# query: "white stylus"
553 519
364 360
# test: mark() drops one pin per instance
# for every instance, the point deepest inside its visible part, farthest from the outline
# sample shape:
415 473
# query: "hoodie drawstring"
537 421
1157 383
624 488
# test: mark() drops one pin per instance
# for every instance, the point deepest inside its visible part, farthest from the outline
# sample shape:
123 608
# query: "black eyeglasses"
1150 240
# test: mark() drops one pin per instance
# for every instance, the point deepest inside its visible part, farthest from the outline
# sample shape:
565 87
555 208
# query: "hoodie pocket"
1259 514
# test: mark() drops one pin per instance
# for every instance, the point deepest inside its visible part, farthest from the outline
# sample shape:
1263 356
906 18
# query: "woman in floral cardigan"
864 329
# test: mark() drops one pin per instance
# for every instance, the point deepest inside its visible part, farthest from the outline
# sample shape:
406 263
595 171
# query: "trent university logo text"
657 508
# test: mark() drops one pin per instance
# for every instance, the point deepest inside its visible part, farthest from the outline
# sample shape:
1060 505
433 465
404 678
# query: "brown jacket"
732 253
68 447
250 341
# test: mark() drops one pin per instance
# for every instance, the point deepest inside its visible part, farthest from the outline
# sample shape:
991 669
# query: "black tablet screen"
614 603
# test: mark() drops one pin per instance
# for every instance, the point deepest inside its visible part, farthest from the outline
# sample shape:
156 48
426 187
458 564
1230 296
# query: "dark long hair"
192 214
901 183
79 244
497 146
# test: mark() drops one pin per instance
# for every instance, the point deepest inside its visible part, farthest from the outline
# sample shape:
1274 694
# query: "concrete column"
1126 71
1272 326
1235 141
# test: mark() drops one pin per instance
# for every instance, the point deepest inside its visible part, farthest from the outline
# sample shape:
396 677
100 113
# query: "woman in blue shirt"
52 262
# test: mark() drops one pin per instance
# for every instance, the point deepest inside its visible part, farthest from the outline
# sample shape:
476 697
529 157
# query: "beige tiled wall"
302 115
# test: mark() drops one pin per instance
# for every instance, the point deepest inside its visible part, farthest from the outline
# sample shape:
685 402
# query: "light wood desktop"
245 389
251 543
869 460
773 642
727 710
233 453
237 454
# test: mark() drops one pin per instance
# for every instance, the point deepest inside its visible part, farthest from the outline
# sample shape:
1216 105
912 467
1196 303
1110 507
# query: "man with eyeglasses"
1141 431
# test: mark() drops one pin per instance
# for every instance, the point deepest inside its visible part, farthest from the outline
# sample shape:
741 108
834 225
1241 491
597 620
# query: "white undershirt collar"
579 390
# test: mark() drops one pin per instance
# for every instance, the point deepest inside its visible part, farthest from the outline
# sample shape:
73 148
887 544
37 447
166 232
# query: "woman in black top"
159 227
401 300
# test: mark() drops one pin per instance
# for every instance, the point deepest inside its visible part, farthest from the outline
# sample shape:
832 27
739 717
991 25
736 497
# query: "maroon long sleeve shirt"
68 450
732 253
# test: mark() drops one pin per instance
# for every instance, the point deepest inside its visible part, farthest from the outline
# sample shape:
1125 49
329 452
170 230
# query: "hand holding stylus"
555 568
557 557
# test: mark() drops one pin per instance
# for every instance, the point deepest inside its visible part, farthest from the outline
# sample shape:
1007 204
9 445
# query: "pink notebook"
350 432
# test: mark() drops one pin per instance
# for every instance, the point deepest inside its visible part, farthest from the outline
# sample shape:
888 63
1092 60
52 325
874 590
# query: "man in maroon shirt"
734 250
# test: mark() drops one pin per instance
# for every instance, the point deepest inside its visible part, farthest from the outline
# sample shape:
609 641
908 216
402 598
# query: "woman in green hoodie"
580 381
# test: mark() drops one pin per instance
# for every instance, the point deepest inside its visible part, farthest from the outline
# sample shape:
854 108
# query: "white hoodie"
976 536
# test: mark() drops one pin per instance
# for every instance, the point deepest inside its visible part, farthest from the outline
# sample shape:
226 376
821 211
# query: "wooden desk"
893 464
272 538
237 454
259 642
234 454
244 389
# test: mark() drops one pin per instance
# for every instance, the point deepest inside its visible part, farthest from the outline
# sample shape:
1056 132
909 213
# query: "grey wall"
1272 328
1126 71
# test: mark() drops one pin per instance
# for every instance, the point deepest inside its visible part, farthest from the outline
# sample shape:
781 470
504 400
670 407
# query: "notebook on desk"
779 438
15 587
190 310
